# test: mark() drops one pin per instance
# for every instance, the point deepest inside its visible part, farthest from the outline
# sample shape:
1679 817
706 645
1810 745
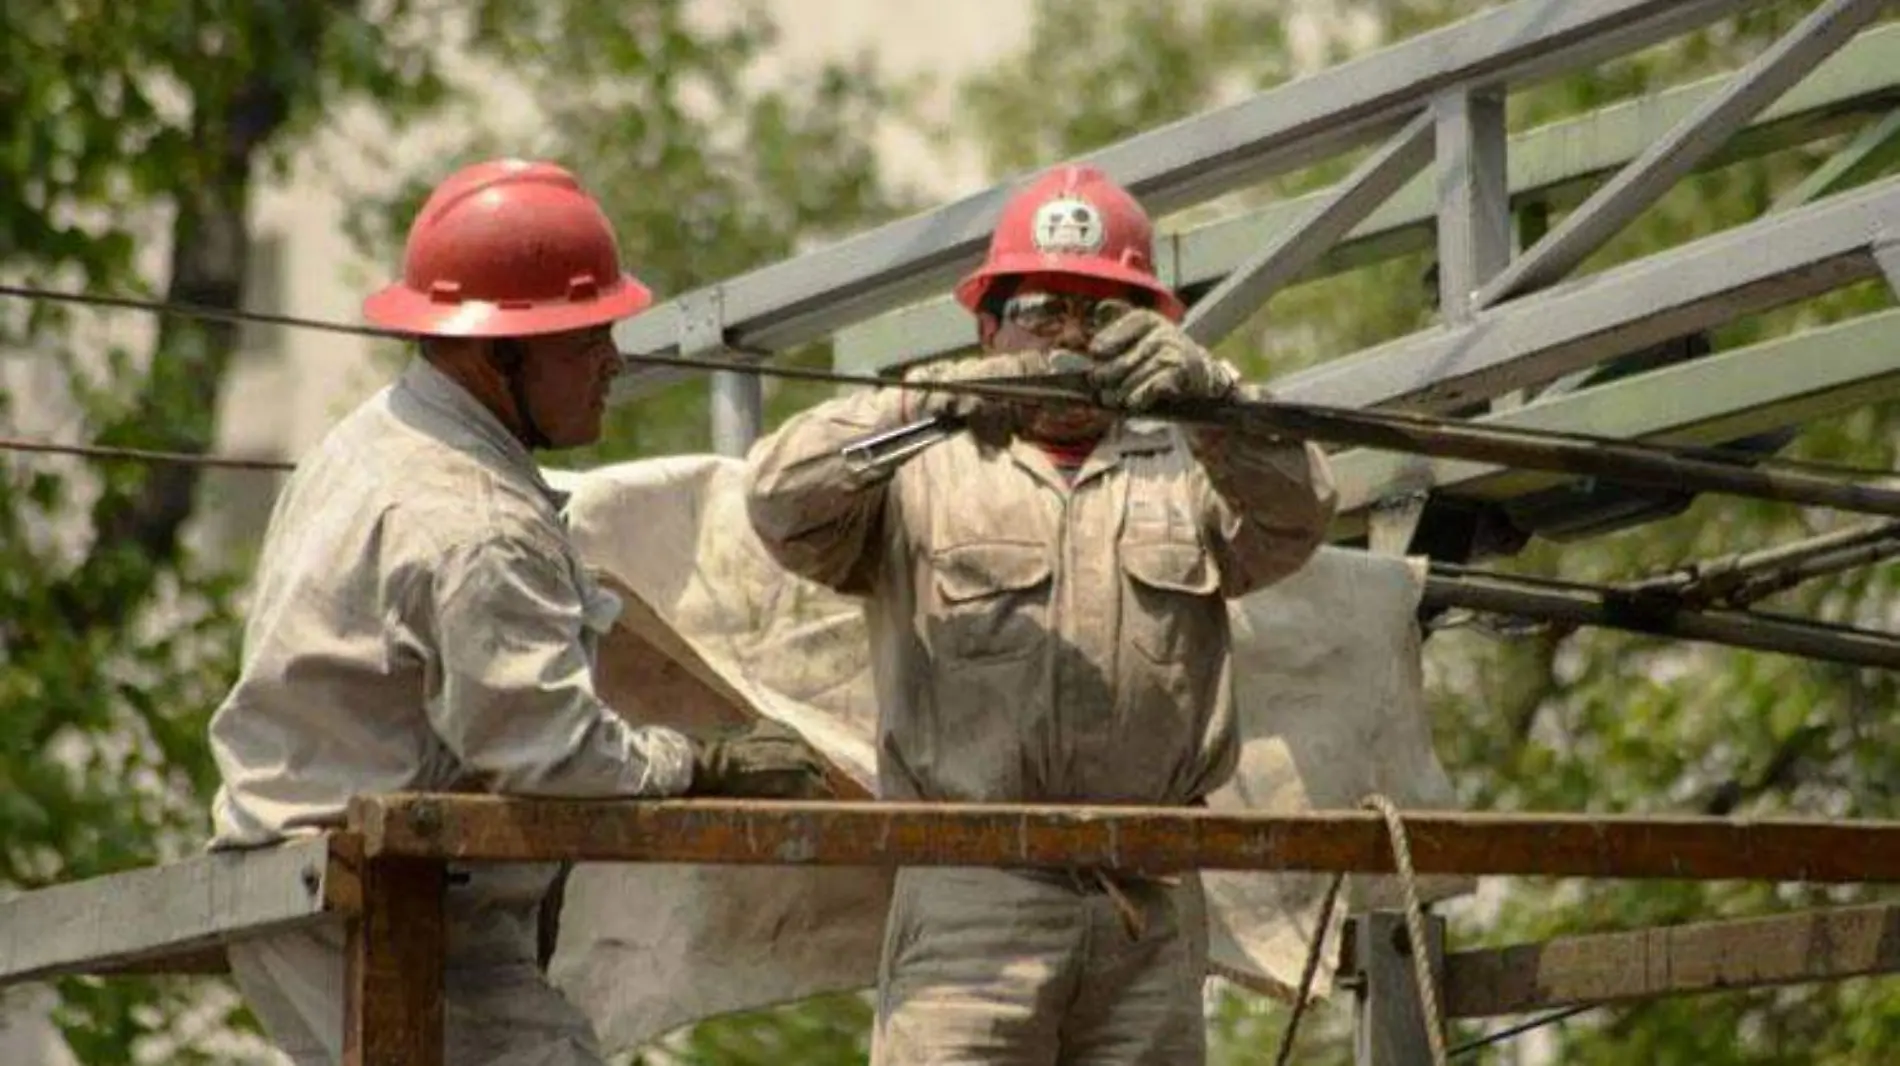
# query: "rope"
1306 974
1414 930
1414 925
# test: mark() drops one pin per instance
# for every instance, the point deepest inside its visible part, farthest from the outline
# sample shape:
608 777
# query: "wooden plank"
153 914
1679 960
392 1013
1143 839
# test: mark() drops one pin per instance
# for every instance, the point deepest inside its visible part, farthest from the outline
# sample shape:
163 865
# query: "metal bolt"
1402 941
426 818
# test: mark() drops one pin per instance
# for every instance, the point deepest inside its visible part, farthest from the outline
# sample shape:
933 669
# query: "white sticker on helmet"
1068 225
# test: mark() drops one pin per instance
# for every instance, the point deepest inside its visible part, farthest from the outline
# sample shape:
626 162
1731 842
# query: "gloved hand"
990 418
767 761
1143 359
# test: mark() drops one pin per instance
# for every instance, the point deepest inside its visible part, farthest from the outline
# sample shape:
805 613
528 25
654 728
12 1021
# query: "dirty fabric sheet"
1329 696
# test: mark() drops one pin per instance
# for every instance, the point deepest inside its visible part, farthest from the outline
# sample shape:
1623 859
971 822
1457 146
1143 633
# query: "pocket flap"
973 571
1172 566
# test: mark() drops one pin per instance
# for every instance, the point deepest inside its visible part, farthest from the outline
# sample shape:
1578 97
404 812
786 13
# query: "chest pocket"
992 599
1173 597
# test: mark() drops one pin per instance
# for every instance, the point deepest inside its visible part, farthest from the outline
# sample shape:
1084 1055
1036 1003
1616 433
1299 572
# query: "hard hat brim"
400 307
970 290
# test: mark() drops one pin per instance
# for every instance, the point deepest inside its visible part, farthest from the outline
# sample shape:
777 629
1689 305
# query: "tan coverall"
421 622
1041 640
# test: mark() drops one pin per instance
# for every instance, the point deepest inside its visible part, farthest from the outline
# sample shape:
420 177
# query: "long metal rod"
1252 283
1139 839
1450 586
1728 396
1694 139
1625 463
1741 579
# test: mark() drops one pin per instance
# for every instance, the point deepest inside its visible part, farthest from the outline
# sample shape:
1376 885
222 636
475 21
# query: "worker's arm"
1268 504
819 516
515 702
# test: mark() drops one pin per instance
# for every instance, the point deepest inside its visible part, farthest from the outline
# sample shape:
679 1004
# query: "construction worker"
1047 603
421 621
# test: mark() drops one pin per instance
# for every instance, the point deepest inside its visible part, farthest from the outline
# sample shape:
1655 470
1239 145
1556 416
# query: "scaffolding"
1517 342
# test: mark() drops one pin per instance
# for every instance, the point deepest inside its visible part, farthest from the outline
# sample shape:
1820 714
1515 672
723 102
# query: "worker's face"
566 377
1054 313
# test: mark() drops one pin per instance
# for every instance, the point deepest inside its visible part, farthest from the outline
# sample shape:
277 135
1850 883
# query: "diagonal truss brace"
1698 136
1252 283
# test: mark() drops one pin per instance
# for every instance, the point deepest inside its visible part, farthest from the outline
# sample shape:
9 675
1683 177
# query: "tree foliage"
134 139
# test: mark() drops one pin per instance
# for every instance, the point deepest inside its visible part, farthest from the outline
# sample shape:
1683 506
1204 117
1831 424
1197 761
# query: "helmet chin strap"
511 356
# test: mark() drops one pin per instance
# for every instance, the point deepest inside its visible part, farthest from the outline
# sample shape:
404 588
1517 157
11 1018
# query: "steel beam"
156 913
1723 397
1555 161
1773 261
1671 159
1143 839
805 298
1252 283
1474 198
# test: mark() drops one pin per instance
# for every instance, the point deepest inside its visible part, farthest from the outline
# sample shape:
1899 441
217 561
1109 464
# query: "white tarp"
1328 691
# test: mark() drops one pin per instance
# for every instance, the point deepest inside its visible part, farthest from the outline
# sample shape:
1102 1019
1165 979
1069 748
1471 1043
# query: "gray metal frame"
1550 164
806 298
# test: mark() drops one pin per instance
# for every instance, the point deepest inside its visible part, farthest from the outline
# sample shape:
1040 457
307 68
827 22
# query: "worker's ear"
986 327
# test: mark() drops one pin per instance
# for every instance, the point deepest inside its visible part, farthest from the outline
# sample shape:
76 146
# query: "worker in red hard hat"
1048 604
422 623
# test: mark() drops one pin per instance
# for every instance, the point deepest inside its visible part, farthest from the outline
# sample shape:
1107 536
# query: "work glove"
1143 359
990 419
766 761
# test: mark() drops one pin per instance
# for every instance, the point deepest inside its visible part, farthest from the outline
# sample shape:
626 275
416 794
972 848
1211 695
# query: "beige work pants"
498 1010
987 967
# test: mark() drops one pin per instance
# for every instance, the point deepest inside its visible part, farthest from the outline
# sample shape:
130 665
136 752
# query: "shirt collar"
487 436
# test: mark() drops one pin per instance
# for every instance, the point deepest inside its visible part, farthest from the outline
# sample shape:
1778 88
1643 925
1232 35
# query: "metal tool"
891 447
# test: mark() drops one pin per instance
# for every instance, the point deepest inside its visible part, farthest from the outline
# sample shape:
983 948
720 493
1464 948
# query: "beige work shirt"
1036 639
421 621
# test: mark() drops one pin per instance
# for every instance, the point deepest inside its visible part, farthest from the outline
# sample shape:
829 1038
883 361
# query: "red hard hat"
508 248
1073 220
